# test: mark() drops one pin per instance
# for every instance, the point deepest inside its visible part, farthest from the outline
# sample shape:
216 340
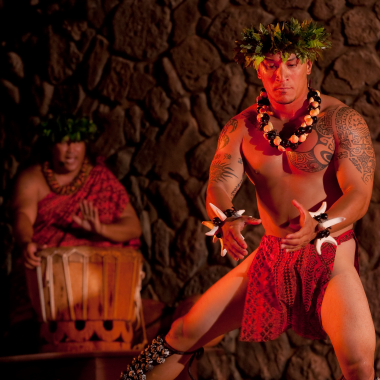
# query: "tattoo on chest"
319 157
228 128
355 142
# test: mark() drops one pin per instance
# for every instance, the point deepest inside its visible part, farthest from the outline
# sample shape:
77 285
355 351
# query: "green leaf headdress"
66 127
306 41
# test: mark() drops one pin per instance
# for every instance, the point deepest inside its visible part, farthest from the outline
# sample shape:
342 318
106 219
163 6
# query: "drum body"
87 298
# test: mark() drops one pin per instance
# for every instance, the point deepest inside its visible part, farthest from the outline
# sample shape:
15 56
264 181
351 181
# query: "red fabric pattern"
54 225
285 290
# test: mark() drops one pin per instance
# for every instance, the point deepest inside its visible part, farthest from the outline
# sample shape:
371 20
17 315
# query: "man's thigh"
345 313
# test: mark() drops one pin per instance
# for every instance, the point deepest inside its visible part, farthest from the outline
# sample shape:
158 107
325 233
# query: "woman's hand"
29 251
90 221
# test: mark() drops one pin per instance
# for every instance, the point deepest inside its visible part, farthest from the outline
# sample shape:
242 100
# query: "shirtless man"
335 164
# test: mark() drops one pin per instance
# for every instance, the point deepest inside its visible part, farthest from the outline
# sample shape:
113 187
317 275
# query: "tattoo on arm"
223 138
240 161
220 171
235 190
355 142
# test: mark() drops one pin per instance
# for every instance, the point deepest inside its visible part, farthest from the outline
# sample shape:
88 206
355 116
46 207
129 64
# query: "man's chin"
285 99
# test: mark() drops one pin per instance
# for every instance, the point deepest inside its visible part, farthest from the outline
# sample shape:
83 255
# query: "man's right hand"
29 251
233 239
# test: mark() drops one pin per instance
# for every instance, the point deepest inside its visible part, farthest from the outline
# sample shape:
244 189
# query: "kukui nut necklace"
300 135
73 186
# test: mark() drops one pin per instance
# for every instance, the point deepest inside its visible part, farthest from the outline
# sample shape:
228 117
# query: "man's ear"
309 65
258 73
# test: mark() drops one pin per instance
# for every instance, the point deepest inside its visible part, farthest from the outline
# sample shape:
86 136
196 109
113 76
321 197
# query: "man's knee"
176 329
183 330
359 369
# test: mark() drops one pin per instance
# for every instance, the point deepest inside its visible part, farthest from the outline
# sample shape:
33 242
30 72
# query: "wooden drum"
88 298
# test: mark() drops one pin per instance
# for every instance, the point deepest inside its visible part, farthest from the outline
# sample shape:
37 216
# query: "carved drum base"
82 336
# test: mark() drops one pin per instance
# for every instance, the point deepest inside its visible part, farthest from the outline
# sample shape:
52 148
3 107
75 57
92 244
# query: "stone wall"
158 76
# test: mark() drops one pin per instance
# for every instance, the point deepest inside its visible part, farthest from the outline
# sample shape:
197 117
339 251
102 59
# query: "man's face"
68 156
284 81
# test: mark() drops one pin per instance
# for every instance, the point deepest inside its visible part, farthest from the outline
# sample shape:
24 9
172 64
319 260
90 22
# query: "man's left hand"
304 235
90 221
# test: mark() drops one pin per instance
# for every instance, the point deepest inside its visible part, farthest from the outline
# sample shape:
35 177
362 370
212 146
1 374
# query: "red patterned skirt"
286 290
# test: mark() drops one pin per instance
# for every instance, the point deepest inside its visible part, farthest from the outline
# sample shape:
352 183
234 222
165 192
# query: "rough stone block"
227 88
116 79
185 19
122 162
358 68
191 252
132 124
368 106
147 154
172 205
132 35
324 9
141 84
203 280
170 79
203 24
361 26
201 157
111 121
158 104
307 365
273 5
96 61
180 136
207 123
67 99
333 84
214 7
15 64
166 285
42 93
250 97
227 26
162 238
63 57
265 360
194 59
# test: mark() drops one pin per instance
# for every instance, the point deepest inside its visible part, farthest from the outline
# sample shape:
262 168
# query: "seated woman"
68 200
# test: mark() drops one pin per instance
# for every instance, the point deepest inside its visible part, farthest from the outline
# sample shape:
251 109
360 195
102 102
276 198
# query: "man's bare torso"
307 174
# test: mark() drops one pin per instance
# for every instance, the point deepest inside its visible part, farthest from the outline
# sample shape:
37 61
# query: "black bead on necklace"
300 135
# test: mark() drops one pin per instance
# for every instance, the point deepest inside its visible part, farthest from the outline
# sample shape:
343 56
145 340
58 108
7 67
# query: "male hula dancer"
300 149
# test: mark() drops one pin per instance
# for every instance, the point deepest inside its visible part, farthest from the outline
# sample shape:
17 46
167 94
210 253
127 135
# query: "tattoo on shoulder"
240 161
229 127
220 171
319 157
355 142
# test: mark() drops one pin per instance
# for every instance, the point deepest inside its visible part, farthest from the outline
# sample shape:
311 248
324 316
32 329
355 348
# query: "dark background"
158 76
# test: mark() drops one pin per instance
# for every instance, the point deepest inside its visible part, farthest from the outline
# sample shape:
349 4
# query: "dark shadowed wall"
158 76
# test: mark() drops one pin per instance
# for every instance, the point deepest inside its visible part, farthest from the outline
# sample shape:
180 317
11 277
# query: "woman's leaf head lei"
306 41
67 128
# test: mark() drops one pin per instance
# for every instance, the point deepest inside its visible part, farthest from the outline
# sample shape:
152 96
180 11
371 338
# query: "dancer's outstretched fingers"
237 236
252 221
